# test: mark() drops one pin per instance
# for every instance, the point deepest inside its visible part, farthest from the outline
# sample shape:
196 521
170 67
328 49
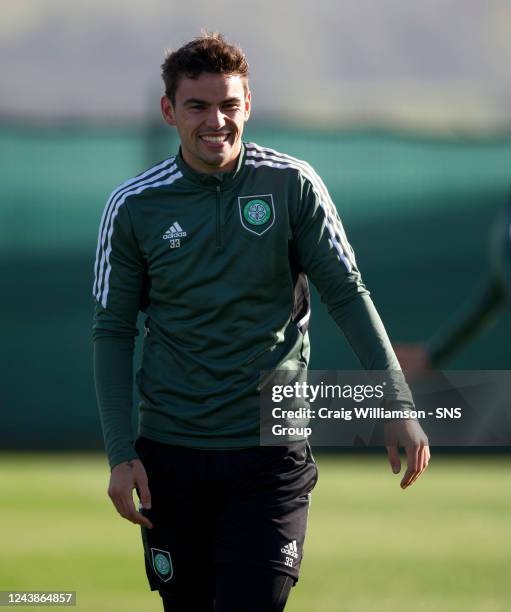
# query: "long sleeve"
119 276
323 251
113 375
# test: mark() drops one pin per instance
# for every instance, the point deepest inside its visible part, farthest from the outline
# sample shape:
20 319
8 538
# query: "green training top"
219 265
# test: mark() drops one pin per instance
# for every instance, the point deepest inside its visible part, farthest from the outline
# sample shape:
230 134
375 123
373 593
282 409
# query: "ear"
248 104
167 111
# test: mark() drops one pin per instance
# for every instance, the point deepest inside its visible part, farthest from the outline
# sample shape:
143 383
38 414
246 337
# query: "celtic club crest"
162 564
257 213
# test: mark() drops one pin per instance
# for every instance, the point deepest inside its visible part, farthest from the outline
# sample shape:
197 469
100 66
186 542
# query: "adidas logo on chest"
174 231
174 235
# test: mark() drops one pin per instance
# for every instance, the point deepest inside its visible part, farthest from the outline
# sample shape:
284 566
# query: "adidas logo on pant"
290 549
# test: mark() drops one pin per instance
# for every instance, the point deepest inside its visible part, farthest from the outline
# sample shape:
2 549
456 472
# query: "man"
214 245
480 312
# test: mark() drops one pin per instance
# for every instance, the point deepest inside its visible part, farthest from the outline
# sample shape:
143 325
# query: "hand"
414 358
124 478
407 433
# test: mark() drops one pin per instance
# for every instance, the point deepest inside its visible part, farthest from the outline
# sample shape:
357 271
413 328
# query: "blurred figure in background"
479 313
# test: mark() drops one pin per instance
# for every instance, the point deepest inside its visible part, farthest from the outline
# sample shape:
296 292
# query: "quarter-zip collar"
212 181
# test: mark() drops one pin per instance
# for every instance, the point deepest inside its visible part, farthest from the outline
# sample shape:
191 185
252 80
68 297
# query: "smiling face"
209 113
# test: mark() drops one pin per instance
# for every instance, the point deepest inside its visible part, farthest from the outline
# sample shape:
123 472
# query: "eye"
195 106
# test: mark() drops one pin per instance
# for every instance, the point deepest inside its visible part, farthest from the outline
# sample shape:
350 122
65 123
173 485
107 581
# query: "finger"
426 458
394 459
421 465
129 512
412 456
119 501
424 455
143 491
125 506
140 519
405 481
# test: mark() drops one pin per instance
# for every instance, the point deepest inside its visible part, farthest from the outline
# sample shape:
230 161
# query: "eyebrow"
190 101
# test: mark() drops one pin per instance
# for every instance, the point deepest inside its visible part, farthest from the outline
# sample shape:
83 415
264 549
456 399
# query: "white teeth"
215 139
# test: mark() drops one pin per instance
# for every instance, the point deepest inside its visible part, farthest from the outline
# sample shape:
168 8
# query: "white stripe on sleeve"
102 294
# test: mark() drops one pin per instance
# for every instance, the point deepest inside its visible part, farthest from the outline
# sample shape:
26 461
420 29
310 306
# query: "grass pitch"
443 545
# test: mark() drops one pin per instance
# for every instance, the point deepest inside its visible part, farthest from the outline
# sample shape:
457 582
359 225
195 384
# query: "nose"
216 118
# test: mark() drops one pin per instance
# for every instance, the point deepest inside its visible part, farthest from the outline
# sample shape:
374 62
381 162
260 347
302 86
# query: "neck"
203 168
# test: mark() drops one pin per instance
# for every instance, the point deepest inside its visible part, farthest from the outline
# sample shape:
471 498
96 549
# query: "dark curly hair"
209 52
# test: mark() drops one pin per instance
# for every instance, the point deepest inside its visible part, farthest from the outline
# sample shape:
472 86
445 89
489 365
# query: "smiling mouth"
215 139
